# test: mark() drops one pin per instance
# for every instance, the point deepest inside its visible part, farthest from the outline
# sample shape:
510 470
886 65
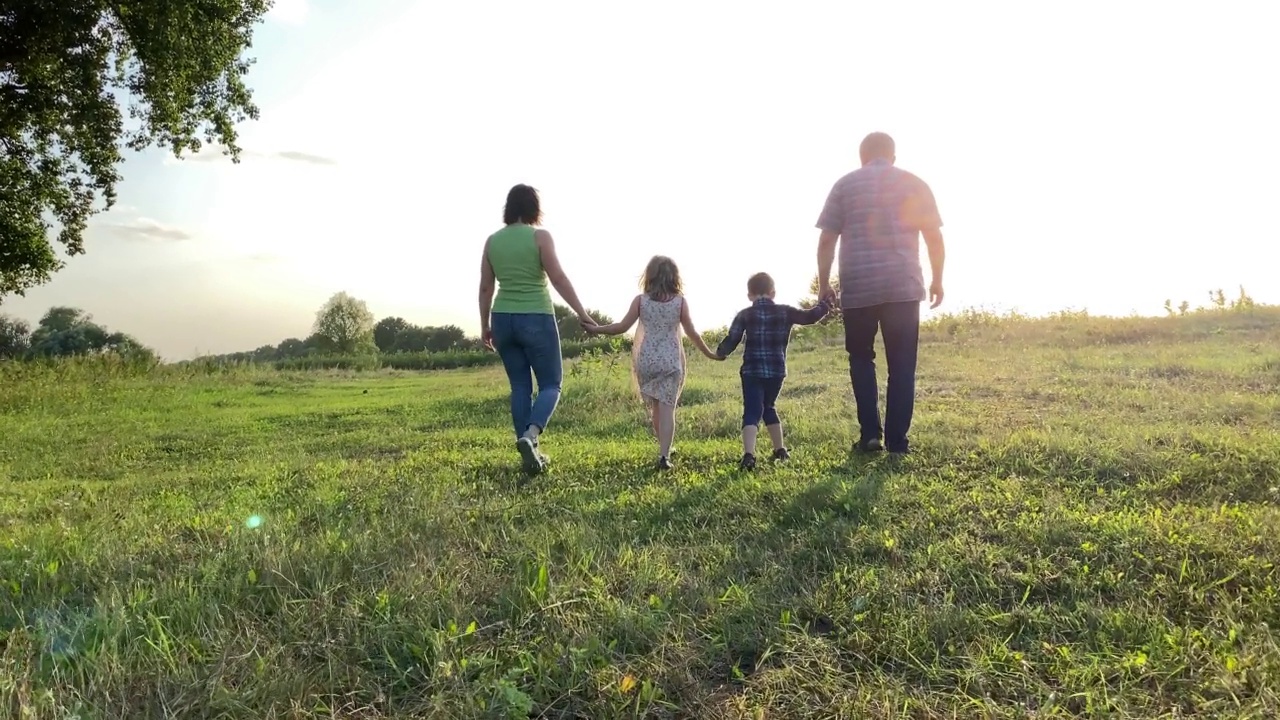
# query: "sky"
1096 155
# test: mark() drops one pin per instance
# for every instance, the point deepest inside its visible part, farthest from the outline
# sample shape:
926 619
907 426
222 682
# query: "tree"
317 343
412 339
266 353
65 66
60 319
15 337
67 331
386 332
570 328
346 324
291 348
444 339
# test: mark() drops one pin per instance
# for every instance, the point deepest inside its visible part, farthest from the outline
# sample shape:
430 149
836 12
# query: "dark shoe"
781 455
664 463
530 456
748 462
870 445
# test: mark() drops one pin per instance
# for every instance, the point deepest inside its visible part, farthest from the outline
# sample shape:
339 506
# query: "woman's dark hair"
522 206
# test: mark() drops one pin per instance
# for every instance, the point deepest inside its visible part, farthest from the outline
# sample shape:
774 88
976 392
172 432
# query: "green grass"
1089 528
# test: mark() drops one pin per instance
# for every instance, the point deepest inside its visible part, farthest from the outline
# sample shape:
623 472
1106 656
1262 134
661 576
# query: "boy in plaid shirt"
767 327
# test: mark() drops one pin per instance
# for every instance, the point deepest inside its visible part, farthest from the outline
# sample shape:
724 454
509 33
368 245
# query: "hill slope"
1089 528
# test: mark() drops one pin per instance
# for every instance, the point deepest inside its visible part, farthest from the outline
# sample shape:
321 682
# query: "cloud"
218 153
146 230
261 259
289 12
305 157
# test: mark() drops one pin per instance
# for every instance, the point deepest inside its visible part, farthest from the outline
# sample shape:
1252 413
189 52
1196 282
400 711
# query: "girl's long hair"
661 278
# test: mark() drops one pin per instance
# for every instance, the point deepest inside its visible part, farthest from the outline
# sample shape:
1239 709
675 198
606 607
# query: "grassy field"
1089 528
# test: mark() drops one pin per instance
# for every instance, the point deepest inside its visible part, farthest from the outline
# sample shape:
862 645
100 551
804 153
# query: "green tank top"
517 264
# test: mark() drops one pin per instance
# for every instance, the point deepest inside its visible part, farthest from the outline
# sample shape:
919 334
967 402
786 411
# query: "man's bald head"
877 146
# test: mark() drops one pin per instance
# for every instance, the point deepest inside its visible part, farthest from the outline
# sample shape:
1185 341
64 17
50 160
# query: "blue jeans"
759 395
529 344
900 324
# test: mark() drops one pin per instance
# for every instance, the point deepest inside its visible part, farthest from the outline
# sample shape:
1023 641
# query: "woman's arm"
555 273
487 284
687 322
623 325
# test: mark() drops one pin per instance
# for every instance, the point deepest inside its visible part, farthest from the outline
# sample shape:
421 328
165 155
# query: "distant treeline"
67 332
346 336
446 360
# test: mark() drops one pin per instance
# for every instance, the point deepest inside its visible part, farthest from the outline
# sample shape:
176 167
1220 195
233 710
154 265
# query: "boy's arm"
810 316
736 331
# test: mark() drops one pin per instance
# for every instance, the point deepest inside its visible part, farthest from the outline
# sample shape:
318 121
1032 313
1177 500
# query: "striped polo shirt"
879 211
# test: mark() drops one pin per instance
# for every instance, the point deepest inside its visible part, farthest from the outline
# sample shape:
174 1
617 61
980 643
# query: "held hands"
589 324
827 293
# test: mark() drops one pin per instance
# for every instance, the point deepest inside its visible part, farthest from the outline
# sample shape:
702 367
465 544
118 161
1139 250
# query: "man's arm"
826 258
922 212
937 258
830 222
730 342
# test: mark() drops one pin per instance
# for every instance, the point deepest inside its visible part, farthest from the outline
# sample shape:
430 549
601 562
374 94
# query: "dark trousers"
759 396
900 325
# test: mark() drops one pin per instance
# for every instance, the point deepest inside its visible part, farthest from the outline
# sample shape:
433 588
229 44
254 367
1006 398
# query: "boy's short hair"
760 285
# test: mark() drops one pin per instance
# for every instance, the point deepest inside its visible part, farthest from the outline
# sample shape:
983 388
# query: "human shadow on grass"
782 547
771 545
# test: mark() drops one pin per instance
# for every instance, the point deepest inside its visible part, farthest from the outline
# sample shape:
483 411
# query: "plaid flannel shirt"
767 328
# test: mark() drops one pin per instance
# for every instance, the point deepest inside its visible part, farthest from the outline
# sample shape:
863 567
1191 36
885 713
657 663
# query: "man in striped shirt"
877 214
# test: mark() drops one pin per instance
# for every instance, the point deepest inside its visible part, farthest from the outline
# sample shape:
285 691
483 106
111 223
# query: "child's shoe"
664 463
748 462
781 455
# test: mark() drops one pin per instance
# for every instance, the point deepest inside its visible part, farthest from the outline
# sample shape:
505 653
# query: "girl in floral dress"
658 360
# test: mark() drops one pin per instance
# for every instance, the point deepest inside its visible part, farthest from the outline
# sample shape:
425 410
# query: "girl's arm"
687 322
623 325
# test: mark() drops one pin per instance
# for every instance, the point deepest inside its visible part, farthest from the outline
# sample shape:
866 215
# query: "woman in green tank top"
520 324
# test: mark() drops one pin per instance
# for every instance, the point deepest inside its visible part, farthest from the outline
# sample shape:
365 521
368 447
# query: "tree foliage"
290 348
445 338
812 300
15 338
387 331
67 331
345 325
568 325
65 68
397 335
